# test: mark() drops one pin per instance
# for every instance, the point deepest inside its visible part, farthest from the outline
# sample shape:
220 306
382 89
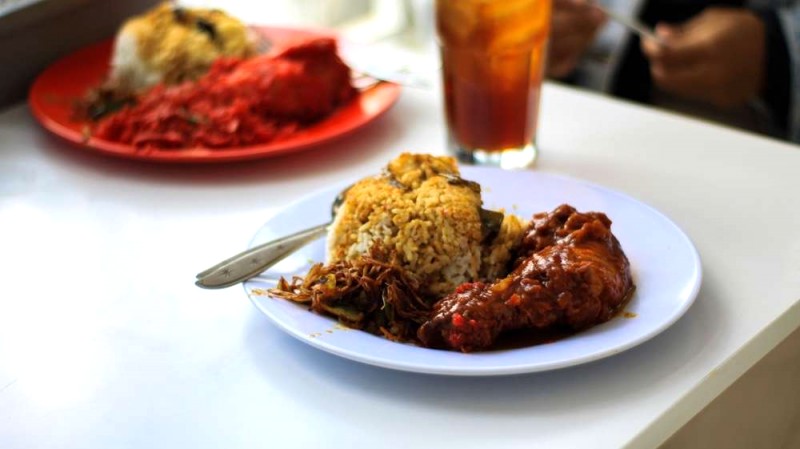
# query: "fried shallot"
365 293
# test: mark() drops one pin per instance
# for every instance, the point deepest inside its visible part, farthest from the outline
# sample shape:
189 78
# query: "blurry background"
34 33
404 22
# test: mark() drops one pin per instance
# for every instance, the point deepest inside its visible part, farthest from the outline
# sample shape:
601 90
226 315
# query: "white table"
106 343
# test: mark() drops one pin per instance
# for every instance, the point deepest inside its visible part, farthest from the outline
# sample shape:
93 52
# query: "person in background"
732 61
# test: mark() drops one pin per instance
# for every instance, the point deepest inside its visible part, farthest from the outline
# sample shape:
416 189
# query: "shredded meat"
571 272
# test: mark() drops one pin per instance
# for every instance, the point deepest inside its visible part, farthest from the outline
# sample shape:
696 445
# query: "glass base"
511 158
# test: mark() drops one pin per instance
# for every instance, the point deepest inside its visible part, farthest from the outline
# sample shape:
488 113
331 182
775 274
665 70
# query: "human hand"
716 57
572 29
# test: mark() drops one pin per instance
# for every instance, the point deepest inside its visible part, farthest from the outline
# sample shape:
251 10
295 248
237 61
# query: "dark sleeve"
777 80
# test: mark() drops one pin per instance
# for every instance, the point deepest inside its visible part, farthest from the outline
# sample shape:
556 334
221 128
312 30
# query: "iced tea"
492 60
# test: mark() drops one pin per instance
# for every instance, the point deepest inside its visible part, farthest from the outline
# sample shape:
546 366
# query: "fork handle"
255 260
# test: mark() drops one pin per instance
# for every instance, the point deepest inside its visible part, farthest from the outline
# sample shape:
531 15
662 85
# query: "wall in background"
33 36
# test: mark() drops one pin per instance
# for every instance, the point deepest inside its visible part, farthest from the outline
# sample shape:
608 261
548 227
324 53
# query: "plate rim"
388 93
486 371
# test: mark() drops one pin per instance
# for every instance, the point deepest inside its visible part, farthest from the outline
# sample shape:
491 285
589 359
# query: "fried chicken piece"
571 272
305 81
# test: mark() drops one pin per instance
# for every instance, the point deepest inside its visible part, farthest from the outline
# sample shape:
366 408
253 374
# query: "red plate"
55 91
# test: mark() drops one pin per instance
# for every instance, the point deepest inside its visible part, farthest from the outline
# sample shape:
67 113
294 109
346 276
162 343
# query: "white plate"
665 264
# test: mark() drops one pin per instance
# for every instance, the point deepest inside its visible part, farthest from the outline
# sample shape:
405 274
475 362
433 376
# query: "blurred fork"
364 79
373 64
631 23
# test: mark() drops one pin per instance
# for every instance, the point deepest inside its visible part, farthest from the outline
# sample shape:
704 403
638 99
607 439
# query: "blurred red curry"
239 102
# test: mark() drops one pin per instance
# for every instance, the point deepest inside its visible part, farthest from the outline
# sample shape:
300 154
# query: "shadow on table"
323 379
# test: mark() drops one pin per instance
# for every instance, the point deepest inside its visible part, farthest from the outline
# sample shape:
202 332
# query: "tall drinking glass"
493 54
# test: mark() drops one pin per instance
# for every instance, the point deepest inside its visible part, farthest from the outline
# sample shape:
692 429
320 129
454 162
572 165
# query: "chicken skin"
571 272
304 81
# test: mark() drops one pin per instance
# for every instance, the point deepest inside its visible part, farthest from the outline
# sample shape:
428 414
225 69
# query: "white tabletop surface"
105 342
